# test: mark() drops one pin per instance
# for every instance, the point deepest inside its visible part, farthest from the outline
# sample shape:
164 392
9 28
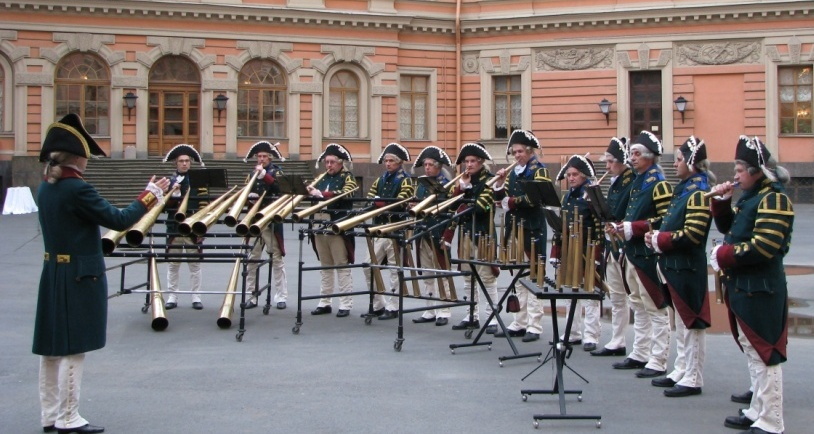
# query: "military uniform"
430 254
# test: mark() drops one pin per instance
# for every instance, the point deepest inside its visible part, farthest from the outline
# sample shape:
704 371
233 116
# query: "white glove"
465 185
176 193
261 173
628 228
316 193
155 190
713 259
505 203
654 242
498 187
254 196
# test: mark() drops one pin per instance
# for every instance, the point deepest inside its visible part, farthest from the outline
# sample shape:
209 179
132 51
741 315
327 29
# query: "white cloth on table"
19 201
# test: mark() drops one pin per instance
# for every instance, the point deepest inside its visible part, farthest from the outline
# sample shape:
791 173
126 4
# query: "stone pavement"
340 375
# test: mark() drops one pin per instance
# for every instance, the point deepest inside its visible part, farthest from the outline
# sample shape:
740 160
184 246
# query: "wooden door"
645 103
174 118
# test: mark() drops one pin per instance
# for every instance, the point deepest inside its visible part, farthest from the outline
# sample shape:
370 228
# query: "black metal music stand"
560 350
292 184
432 185
207 178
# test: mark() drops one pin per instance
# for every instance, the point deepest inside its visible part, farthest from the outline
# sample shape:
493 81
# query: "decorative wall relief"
572 59
718 53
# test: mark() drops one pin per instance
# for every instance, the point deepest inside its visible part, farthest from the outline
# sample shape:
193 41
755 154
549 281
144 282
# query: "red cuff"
599 252
720 207
665 241
327 194
268 179
512 203
147 199
555 252
378 204
639 228
726 256
449 234
457 190
461 208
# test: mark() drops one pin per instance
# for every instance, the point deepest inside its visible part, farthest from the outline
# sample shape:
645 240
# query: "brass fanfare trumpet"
302 215
242 228
226 309
231 218
135 235
344 225
414 211
185 228
495 178
159 314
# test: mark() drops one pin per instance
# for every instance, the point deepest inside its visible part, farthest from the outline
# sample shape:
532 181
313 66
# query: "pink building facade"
419 72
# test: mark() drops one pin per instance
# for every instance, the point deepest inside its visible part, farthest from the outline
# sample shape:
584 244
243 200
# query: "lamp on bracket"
130 102
220 103
681 105
605 106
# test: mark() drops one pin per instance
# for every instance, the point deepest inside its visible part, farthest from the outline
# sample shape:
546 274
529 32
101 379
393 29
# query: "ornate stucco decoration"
504 65
343 53
573 59
470 64
264 50
176 46
84 42
718 53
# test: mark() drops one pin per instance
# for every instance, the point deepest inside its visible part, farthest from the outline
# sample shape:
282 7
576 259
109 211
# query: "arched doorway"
175 94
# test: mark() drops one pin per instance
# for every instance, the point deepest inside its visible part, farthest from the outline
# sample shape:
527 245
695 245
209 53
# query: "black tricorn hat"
475 149
618 147
183 149
69 135
752 151
694 150
337 151
264 146
583 164
522 137
432 152
397 150
649 141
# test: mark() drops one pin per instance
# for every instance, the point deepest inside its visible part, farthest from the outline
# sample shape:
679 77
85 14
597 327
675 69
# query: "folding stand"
560 350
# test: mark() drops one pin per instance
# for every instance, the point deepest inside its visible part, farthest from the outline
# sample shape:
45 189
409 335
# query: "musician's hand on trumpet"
501 178
722 191
261 171
314 192
466 180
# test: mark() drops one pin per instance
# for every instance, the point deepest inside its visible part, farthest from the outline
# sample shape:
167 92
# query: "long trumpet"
159 314
242 228
301 215
185 228
283 212
440 207
181 213
344 225
231 218
111 239
495 178
135 235
414 211
226 309
203 224
385 229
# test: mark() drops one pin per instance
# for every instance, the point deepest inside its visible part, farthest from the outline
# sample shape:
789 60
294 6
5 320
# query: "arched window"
261 100
82 86
174 104
343 110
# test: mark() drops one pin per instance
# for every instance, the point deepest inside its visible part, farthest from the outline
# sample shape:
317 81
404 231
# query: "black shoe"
490 330
251 304
738 422
49 428
663 382
281 305
464 325
649 373
681 391
742 398
322 310
389 314
343 313
170 305
422 320
197 305
513 333
87 428
440 322
590 346
531 337
604 352
376 312
629 363
572 343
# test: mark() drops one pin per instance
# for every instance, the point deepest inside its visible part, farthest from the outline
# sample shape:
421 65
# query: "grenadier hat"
434 153
522 137
583 164
752 151
337 151
694 150
267 147
618 147
397 150
476 149
649 141
184 149
69 135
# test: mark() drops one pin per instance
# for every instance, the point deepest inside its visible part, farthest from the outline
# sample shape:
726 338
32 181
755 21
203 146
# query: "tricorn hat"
618 147
397 150
69 135
694 150
522 137
581 163
752 151
475 149
649 141
183 149
337 151
432 152
264 146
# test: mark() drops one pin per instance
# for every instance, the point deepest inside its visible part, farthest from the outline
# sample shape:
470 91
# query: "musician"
758 236
432 159
72 303
335 250
394 183
183 156
616 157
271 238
682 263
519 209
649 197
579 172
473 185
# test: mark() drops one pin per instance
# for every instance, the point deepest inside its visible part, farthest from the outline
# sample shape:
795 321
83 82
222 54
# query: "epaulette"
662 190
541 174
698 201
692 187
652 171
776 203
649 180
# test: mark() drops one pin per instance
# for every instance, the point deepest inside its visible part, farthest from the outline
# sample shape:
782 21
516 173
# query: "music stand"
431 183
207 178
542 193
597 203
292 184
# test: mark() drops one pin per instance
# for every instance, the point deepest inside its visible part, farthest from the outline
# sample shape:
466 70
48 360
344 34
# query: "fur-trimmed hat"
337 151
618 147
522 137
475 149
264 146
69 135
649 141
432 152
183 149
694 150
752 151
581 163
397 150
